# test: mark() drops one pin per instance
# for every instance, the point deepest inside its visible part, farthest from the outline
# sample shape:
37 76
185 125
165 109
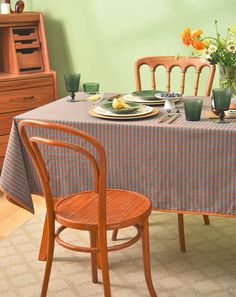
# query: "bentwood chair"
169 63
97 210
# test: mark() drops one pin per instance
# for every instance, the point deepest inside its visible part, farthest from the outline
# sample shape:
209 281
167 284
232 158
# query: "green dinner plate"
133 107
147 94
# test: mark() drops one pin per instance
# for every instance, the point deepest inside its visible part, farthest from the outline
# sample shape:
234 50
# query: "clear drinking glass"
222 99
72 81
94 99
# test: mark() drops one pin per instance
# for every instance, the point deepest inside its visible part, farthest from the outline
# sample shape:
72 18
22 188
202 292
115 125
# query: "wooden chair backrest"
99 167
169 62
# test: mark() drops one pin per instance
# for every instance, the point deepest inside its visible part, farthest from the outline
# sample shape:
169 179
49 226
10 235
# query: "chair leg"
206 220
181 232
50 251
114 235
146 259
102 238
43 246
98 254
93 243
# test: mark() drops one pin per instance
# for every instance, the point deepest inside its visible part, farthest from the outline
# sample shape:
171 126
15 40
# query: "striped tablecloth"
183 166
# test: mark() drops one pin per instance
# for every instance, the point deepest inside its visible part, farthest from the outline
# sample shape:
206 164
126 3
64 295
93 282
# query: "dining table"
182 166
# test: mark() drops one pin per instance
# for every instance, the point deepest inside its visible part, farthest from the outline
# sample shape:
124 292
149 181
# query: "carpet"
208 268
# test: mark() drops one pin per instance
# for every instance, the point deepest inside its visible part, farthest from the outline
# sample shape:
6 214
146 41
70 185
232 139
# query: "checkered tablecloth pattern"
183 166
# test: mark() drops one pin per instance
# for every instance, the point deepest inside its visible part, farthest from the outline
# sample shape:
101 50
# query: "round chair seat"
123 209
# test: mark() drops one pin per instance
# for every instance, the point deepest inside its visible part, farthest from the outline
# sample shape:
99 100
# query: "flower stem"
208 37
217 32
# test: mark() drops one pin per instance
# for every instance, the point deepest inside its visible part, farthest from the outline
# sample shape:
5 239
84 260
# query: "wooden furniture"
170 62
184 63
96 211
26 80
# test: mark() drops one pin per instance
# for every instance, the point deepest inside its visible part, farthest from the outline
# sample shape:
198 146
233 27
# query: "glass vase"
228 78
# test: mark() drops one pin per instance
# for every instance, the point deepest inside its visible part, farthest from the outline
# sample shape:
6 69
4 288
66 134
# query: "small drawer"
3 144
22 45
25 33
6 122
24 99
29 59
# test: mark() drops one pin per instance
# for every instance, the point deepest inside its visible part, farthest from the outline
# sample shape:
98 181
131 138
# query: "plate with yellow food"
118 107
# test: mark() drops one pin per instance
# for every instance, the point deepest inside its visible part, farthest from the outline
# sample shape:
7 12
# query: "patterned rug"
208 268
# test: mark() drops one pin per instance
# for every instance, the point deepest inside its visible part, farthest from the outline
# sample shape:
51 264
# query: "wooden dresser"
26 80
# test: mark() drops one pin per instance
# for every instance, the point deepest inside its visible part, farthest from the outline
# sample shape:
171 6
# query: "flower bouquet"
217 50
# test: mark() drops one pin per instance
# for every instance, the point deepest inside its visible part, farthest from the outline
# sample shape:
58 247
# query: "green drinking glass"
91 88
222 99
72 81
193 109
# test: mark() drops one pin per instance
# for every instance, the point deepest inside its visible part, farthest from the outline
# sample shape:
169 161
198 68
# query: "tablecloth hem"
195 212
14 200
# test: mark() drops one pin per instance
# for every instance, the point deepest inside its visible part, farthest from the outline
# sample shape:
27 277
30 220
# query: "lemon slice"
118 103
94 98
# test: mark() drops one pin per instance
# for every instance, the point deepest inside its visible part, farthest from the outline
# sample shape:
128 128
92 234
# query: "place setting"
153 97
117 108
136 105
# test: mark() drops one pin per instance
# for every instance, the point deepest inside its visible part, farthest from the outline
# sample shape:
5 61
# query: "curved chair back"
99 167
169 62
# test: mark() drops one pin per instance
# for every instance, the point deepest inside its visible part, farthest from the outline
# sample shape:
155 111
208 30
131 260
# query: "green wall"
101 39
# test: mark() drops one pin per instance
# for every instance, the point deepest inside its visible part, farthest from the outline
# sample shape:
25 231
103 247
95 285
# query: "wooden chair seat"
123 209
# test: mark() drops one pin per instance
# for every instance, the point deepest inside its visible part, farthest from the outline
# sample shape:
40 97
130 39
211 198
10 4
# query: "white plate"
139 117
230 113
139 112
138 99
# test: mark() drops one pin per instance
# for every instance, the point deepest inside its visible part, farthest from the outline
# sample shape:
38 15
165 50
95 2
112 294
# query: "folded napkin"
228 114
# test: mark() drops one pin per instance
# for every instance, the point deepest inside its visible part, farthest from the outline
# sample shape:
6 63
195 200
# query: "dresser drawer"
6 122
18 100
20 82
3 145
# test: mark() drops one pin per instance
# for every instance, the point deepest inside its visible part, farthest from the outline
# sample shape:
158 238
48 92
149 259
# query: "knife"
173 118
113 97
163 118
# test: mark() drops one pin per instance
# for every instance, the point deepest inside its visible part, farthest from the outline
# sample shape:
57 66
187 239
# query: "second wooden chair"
169 63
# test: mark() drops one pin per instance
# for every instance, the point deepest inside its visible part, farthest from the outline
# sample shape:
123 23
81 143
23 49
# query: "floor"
12 216
207 269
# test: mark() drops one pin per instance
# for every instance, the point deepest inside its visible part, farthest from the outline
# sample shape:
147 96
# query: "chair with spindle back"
96 211
169 63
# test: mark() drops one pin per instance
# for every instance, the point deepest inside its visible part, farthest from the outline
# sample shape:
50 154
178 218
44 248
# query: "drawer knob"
29 98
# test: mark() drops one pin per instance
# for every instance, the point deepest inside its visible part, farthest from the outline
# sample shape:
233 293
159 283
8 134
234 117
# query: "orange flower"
185 35
198 45
196 34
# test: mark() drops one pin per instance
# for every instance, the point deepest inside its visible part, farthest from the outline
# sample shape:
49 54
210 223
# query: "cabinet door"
6 122
1 162
19 100
3 145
